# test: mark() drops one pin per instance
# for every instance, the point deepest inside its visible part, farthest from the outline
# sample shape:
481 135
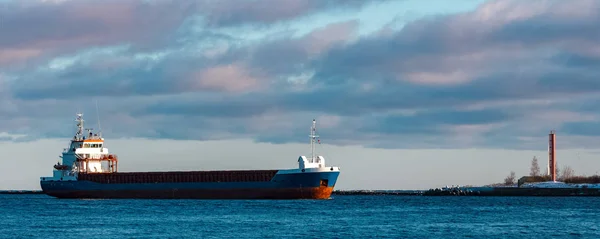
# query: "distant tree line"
566 174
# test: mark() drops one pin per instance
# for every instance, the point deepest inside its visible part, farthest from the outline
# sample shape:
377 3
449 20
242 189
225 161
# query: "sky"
407 94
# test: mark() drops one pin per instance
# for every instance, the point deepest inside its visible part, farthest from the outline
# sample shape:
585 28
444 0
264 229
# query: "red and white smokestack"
552 154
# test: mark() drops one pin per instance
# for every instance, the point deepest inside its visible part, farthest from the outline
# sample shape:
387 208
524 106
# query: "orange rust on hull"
322 192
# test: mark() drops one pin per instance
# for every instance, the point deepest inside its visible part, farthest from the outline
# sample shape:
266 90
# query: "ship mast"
79 134
313 137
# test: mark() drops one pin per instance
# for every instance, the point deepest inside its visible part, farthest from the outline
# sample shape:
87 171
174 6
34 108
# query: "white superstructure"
86 154
314 163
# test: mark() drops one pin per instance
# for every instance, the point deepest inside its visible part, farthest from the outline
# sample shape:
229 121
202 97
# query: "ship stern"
308 183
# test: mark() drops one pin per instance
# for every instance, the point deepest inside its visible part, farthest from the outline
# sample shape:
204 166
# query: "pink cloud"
439 78
505 11
229 78
322 39
486 41
8 56
54 27
467 135
497 13
459 68
231 11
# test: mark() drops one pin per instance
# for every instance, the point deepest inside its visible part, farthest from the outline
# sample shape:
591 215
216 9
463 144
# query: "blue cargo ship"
88 170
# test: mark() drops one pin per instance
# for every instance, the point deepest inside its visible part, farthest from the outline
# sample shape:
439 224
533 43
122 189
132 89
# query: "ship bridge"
90 154
86 154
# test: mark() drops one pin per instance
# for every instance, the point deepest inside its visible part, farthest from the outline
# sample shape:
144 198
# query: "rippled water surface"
39 216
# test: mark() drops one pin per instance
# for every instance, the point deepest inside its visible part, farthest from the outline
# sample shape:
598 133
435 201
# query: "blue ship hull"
300 185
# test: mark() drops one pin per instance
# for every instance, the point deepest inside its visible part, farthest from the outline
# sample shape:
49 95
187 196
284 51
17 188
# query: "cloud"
231 77
57 27
499 76
329 36
232 12
10 137
465 47
288 55
119 71
582 128
17 55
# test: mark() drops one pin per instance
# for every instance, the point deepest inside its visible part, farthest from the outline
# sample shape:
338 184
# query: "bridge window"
92 145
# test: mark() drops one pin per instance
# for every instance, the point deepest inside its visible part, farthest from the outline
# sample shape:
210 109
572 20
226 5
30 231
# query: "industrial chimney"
552 155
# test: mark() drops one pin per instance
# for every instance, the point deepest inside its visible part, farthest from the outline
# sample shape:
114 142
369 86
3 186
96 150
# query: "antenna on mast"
79 120
98 116
313 137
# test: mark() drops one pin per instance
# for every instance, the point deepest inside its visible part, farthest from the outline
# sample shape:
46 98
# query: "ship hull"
252 193
283 185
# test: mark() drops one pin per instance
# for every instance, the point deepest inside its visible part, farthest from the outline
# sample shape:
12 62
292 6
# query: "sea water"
40 216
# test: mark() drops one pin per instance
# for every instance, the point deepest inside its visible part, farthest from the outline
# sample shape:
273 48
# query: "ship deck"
180 176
